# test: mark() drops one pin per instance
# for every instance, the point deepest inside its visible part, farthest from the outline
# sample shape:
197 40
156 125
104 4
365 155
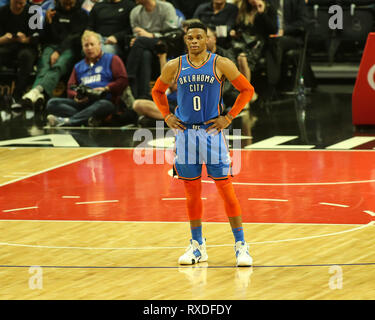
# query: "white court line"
101 201
167 199
260 199
20 209
370 213
71 197
297 183
334 204
58 166
178 247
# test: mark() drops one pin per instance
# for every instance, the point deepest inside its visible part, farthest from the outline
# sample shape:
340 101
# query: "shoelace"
242 249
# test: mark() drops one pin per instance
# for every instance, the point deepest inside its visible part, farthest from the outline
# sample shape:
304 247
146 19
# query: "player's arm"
226 67
166 79
239 81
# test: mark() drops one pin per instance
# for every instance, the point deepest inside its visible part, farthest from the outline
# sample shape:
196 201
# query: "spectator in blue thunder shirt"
103 72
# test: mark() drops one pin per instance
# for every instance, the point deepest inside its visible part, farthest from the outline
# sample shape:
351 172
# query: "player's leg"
233 211
193 191
190 171
220 172
196 251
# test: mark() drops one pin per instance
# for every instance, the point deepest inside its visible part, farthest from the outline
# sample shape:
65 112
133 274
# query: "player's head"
196 37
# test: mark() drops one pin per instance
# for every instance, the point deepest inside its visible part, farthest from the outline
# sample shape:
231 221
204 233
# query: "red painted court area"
335 187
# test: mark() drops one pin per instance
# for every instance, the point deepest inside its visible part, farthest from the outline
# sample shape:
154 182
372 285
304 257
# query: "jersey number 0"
197 103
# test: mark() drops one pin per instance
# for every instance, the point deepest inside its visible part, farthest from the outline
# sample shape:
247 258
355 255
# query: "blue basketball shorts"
195 147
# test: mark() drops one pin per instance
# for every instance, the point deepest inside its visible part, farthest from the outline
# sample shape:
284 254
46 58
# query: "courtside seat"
340 45
320 34
358 23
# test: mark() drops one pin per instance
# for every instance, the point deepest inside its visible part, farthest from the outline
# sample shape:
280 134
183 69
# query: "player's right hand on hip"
174 123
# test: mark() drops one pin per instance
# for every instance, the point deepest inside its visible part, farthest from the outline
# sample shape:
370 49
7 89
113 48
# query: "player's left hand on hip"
218 124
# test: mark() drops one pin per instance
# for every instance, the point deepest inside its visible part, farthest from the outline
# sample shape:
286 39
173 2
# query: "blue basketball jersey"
199 91
96 75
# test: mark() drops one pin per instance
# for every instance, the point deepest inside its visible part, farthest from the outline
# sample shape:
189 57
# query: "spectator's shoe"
194 253
33 97
242 254
15 108
54 121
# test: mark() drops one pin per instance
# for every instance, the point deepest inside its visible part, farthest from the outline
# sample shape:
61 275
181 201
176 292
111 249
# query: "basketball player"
198 122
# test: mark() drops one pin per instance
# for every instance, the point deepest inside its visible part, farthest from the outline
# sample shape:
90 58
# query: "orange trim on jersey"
222 178
189 179
214 70
208 59
220 94
179 69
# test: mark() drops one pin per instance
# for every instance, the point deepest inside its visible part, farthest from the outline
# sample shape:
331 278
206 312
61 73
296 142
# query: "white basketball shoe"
194 253
242 254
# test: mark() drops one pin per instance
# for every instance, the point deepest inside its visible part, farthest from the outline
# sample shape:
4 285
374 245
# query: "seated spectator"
219 14
147 109
290 37
229 92
104 73
256 21
61 41
187 7
149 19
111 20
17 44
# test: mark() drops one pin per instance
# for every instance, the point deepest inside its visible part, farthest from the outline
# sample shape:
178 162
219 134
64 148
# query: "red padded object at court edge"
363 98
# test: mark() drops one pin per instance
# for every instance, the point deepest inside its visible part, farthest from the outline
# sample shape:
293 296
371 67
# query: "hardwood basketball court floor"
104 227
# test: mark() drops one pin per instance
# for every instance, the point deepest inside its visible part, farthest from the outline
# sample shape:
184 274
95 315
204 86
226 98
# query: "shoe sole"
193 261
244 264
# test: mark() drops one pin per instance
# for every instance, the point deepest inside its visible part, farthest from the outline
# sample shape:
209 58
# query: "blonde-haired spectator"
89 33
104 77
